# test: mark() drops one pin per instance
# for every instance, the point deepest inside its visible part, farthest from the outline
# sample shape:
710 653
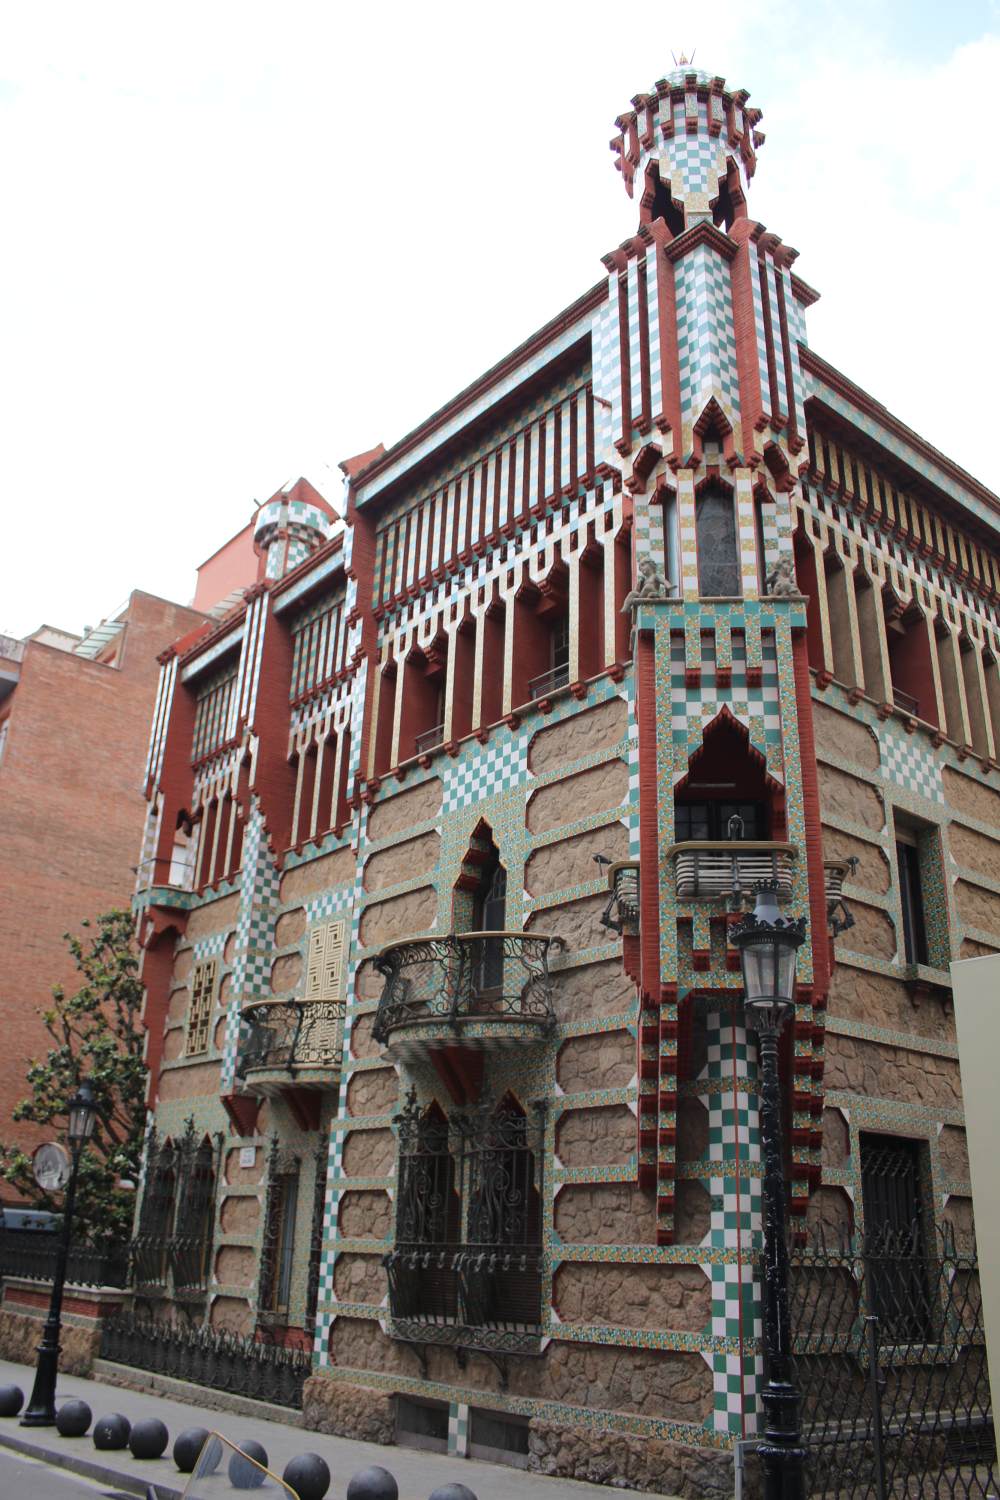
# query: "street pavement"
416 1473
29 1479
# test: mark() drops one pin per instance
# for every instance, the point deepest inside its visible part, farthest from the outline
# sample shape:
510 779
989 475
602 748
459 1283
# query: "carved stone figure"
781 579
651 585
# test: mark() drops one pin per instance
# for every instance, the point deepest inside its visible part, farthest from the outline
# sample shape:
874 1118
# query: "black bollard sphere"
112 1431
308 1475
148 1438
375 1483
73 1418
245 1476
11 1400
187 1447
453 1492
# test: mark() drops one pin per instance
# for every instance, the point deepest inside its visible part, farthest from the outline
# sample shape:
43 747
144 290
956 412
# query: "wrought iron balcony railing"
297 1038
708 870
460 978
469 1296
905 702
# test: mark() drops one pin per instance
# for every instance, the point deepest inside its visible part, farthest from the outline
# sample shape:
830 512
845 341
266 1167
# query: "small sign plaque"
248 1156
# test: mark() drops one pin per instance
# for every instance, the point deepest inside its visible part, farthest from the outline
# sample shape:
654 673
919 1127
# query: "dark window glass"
491 916
894 1240
276 1270
711 820
718 554
911 898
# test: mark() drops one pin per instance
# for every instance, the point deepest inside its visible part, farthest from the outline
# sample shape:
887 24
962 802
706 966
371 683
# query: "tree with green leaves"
97 1034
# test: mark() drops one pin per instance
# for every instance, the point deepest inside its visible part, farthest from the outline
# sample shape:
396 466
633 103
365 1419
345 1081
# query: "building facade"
74 723
449 825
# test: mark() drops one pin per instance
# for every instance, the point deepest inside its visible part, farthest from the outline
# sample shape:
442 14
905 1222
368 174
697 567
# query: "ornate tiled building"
451 819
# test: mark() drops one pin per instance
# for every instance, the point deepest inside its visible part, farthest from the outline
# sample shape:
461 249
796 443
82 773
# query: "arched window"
504 1220
192 1242
428 1218
151 1247
718 552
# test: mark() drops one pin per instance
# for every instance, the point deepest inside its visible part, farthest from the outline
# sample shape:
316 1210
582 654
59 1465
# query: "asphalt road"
26 1479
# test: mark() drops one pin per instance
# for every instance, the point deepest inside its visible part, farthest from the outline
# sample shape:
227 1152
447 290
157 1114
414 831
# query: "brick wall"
71 817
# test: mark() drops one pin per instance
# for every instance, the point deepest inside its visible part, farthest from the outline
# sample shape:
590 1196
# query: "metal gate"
890 1359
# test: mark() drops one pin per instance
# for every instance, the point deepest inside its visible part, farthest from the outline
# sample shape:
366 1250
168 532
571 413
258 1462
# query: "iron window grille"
173 1243
466 1265
889 1357
278 1248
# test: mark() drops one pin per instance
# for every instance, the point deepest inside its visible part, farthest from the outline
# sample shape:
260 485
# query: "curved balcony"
290 1041
712 870
483 989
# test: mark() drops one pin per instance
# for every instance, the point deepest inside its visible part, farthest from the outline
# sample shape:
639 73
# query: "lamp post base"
41 1409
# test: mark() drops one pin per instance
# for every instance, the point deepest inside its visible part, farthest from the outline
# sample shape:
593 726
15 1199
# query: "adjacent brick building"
74 725
429 1098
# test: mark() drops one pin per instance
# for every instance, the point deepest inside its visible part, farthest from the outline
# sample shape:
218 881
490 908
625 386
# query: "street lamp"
41 1411
768 944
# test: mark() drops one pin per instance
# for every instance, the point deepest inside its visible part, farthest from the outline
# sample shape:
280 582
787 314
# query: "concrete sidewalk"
416 1473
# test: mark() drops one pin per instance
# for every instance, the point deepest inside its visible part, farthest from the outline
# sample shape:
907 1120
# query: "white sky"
241 242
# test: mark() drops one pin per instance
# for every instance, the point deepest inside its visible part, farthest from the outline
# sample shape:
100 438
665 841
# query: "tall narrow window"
911 897
718 553
421 1269
151 1247
504 1216
490 915
895 1241
200 1009
191 1247
279 1240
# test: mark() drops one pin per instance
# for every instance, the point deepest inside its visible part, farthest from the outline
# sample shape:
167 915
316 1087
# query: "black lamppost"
768 945
41 1411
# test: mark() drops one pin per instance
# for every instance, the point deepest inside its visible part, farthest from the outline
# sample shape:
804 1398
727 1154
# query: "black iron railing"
466 1265
291 1035
889 1354
464 977
32 1254
905 702
548 682
430 739
241 1364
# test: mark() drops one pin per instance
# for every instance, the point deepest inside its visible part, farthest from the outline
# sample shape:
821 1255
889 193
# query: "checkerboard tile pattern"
497 767
706 337
254 935
908 763
458 1429
734 1142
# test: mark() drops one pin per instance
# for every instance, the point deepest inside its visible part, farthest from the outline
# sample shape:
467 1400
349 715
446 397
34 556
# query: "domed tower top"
690 145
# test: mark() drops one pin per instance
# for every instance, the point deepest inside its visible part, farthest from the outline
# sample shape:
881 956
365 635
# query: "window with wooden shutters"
200 1013
325 972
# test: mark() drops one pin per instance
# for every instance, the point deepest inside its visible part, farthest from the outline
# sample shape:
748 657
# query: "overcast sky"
242 242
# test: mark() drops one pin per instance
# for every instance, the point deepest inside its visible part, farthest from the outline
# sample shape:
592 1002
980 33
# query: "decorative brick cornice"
703 233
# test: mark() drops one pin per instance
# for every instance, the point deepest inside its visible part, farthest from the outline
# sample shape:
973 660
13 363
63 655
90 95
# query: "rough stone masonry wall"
891 1057
605 1307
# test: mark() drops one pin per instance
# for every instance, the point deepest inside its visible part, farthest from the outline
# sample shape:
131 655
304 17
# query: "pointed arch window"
718 545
